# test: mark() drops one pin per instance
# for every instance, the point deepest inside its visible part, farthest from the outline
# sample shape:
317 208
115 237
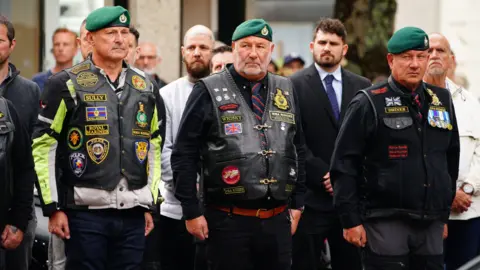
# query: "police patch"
96 113
138 82
233 128
87 79
280 101
141 150
74 138
231 175
95 97
140 133
95 130
231 118
97 149
78 163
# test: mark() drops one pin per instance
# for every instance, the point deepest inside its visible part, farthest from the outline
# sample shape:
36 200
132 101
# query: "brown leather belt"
260 213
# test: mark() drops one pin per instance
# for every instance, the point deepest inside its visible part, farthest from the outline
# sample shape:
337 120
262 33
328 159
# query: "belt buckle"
258 211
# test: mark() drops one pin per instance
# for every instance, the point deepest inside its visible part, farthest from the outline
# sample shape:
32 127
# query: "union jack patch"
393 101
233 128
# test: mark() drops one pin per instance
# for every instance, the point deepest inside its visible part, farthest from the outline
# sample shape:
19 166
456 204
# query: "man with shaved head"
148 59
177 249
241 131
463 242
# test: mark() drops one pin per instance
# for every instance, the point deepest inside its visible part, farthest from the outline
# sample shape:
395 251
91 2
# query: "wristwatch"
468 188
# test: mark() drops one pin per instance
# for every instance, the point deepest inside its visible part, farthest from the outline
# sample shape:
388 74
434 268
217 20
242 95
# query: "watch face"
468 189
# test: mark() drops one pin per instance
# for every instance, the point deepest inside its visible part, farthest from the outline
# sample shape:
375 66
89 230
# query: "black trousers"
248 243
151 260
313 229
177 249
403 244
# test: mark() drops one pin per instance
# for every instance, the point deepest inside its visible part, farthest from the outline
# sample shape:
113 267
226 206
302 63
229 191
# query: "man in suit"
324 91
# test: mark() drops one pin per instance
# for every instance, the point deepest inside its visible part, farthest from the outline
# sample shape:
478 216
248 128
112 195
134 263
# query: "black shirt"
196 122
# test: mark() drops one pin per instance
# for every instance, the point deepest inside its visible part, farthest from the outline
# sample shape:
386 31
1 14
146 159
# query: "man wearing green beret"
396 161
242 125
97 149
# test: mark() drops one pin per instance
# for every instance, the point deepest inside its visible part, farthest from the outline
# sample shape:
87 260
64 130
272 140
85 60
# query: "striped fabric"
258 106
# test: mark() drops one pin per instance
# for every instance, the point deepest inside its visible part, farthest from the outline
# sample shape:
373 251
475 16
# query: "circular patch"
231 175
78 163
74 138
122 18
138 82
87 79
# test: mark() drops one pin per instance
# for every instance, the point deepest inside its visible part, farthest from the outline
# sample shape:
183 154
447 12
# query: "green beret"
408 38
105 17
255 27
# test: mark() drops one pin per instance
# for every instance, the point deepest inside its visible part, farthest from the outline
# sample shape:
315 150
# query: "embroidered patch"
95 97
96 113
141 150
138 82
288 188
1 115
141 116
393 101
399 109
233 128
231 118
229 107
85 66
74 138
231 175
379 91
94 130
280 101
78 163
282 117
439 117
87 79
397 151
97 149
140 133
234 190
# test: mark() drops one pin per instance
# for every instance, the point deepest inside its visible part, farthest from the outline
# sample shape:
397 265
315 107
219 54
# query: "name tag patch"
234 190
93 130
282 117
96 113
140 133
233 128
399 109
397 151
231 118
95 97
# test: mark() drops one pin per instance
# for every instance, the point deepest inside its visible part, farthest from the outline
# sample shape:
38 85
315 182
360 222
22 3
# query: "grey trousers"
56 253
394 244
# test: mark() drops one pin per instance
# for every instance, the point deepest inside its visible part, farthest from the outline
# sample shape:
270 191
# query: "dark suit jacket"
321 128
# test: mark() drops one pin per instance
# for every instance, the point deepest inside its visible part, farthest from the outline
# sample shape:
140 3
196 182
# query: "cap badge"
123 18
265 31
425 42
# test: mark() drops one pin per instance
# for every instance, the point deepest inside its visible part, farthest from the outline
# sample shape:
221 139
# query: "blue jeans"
105 239
462 243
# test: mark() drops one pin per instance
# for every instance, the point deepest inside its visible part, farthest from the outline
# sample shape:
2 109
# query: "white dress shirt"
337 82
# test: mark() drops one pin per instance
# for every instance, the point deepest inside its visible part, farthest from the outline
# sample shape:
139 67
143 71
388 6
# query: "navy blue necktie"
258 106
332 96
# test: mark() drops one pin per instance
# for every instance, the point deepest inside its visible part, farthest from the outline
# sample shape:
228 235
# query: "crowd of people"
240 164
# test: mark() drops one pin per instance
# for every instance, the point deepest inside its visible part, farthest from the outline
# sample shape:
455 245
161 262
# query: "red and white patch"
231 175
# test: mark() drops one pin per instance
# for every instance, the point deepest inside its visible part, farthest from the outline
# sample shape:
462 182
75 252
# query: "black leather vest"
106 137
7 129
236 165
406 164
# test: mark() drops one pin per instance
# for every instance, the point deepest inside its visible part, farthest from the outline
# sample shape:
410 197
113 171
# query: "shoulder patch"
379 91
80 67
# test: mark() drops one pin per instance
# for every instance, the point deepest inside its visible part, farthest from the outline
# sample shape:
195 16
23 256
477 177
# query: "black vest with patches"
405 167
105 137
7 129
236 165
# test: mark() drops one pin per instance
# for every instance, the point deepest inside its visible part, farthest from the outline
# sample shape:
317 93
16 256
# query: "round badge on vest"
231 175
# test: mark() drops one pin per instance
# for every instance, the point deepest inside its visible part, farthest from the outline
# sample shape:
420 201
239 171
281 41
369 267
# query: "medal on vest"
280 101
439 117
97 149
138 82
141 150
78 163
141 116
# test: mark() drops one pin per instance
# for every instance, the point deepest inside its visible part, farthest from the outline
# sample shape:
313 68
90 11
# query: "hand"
445 231
462 202
11 237
295 215
327 183
58 224
198 227
148 223
356 236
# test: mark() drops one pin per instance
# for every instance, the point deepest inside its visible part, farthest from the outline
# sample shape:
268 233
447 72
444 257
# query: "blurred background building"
165 22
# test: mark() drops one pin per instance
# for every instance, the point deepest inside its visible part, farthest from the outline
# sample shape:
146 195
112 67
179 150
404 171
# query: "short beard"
328 64
437 72
198 73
